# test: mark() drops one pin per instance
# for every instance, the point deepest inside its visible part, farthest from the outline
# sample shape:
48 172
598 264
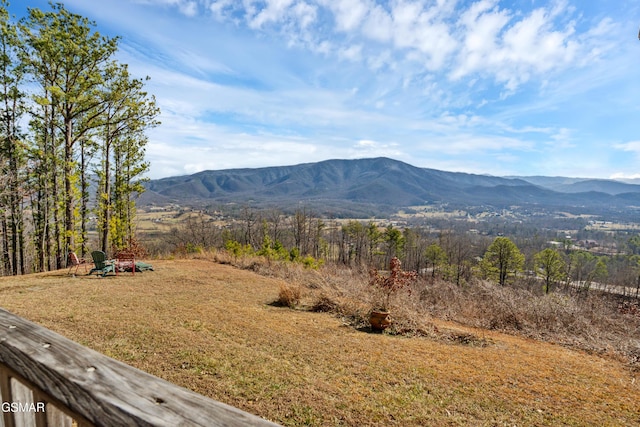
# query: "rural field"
215 329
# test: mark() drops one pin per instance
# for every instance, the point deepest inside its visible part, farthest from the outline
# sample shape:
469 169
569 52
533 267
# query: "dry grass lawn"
212 328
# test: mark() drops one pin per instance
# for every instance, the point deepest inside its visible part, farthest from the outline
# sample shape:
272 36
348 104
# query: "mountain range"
382 185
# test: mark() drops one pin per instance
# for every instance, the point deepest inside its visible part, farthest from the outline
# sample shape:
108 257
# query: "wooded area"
529 260
72 129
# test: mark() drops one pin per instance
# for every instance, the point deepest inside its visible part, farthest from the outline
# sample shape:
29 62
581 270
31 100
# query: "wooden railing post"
5 396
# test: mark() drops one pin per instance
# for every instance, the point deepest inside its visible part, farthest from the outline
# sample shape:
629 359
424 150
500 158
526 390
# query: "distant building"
588 244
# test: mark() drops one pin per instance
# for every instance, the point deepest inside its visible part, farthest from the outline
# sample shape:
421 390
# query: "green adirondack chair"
102 265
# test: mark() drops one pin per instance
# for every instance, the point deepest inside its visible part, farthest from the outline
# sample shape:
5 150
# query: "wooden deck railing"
49 380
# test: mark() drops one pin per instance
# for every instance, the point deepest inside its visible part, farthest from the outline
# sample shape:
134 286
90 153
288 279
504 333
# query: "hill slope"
211 328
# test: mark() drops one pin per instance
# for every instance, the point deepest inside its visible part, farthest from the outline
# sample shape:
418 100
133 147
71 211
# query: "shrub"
589 320
237 249
192 248
311 262
289 295
294 254
389 285
273 251
324 304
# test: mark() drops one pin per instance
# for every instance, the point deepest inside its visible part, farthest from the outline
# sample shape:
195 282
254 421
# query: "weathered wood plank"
57 418
46 413
5 395
105 391
23 394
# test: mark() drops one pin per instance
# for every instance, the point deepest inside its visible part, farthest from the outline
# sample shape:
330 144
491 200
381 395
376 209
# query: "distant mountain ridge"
582 185
380 184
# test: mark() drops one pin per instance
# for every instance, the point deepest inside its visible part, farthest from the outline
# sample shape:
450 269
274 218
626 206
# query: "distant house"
588 244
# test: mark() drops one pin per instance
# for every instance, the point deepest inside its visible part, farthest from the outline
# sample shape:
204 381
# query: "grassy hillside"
214 329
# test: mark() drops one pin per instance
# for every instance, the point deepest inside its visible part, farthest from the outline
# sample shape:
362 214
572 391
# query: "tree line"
72 129
446 254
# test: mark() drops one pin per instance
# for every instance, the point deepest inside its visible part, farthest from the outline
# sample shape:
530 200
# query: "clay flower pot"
379 320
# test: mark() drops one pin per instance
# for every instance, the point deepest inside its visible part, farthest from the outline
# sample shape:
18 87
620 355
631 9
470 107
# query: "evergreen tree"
81 104
436 257
67 58
502 260
12 153
550 266
129 112
394 242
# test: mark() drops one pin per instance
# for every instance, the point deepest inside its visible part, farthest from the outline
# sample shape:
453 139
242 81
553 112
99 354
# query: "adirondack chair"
102 265
74 261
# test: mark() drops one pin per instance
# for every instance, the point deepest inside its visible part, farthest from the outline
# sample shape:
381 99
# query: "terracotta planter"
379 320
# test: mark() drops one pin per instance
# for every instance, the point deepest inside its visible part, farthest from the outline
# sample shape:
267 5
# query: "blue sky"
521 87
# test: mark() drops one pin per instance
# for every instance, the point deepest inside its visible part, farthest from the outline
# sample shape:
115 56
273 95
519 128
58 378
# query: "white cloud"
463 40
438 83
348 14
562 138
424 31
515 48
621 176
378 25
366 143
222 9
631 146
305 14
351 53
188 8
274 11
461 143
